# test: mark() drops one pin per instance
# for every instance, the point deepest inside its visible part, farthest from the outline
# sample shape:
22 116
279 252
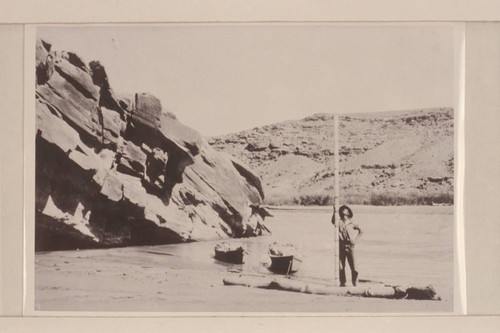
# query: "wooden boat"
283 258
229 255
284 264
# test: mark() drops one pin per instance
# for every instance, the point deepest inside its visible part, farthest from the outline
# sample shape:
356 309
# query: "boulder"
107 96
131 160
43 62
182 135
147 110
78 111
112 126
77 76
99 75
156 166
75 60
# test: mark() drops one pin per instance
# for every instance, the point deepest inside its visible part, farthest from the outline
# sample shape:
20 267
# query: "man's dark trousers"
347 251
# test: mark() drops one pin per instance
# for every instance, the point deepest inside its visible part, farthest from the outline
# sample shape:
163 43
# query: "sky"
224 78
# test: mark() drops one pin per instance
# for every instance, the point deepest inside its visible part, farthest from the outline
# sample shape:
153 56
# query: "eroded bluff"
115 170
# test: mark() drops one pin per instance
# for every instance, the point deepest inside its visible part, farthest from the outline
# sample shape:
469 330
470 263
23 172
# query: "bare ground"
176 278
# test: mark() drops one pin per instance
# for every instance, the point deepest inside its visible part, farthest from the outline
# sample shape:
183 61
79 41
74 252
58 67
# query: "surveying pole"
336 197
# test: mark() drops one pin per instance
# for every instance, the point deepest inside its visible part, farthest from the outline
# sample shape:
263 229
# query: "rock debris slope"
115 170
387 158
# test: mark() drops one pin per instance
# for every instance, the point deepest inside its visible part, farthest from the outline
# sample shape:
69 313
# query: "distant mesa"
386 158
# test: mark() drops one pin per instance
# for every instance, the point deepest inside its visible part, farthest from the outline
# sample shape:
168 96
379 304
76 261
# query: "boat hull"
233 257
284 264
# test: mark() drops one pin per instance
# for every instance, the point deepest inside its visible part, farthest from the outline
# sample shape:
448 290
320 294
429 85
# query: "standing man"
348 234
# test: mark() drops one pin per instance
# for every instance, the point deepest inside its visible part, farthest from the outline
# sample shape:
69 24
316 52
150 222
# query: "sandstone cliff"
386 158
115 170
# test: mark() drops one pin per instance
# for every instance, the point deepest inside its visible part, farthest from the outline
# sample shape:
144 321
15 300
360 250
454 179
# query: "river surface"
399 246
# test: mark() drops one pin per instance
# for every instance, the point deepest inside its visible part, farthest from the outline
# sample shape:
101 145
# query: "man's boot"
354 278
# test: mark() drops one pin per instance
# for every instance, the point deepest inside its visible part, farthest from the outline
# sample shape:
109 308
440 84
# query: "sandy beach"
400 246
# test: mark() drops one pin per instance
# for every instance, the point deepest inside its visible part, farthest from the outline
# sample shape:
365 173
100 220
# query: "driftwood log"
372 290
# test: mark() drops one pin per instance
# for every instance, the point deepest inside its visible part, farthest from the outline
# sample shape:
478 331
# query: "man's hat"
344 208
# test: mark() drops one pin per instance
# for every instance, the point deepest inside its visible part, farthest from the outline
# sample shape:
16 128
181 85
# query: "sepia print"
305 168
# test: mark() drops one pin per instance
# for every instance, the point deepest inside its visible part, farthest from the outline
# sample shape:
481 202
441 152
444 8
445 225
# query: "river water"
399 245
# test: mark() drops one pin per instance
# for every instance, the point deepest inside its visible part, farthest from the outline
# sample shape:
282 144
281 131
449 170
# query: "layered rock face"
116 170
401 157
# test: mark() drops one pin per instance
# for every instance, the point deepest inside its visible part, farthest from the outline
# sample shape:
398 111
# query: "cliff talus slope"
387 158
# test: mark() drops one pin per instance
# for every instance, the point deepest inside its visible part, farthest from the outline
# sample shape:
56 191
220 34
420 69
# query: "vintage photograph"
245 168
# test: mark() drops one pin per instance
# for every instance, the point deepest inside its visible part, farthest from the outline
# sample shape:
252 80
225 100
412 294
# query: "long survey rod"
336 197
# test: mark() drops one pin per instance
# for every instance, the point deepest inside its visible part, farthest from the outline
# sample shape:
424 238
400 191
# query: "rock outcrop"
116 170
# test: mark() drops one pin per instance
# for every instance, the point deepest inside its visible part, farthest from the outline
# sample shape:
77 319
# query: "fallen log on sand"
372 290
